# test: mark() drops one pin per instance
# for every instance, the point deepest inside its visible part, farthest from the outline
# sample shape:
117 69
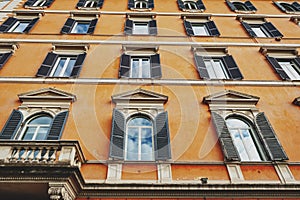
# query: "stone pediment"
139 95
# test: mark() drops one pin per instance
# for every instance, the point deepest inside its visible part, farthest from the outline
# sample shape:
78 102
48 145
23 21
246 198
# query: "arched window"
240 6
39 3
37 128
190 5
288 7
244 138
90 4
141 4
139 139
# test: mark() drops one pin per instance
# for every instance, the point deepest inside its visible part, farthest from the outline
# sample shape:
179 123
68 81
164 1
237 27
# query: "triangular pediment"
230 96
139 95
47 94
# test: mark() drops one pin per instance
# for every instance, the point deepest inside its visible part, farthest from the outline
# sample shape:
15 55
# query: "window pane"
21 26
135 68
147 150
39 3
132 143
70 67
240 6
81 27
60 65
42 133
199 29
29 133
90 4
190 5
290 69
41 120
140 121
259 31
140 28
216 69
146 68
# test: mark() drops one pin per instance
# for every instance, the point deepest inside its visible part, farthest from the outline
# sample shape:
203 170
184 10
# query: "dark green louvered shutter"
180 4
155 66
80 3
199 60
249 29
152 27
229 150
47 64
212 28
231 6
130 4
100 3
232 68
296 5
48 3
162 137
68 26
57 126
188 28
117 135
92 26
78 65
30 25
151 4
128 27
12 125
279 6
29 3
270 140
297 61
124 66
200 5
4 57
250 6
278 68
272 30
8 24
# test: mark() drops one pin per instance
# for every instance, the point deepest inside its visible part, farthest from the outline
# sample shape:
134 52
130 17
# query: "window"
15 25
186 5
208 28
4 58
190 5
89 4
243 7
140 67
63 66
261 29
79 26
287 68
288 7
140 27
38 3
215 68
140 4
37 128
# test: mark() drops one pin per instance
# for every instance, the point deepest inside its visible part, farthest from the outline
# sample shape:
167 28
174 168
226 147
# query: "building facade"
152 99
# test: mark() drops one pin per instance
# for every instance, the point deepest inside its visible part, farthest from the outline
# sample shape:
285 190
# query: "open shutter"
128 27
212 28
162 137
152 27
80 3
130 4
117 135
200 5
4 58
100 3
68 26
180 4
78 65
30 25
270 140
57 126
12 125
8 24
47 65
279 6
48 3
151 4
155 66
29 3
188 28
124 66
249 29
92 26
229 150
232 68
278 68
250 6
272 30
201 67
231 6
297 61
296 5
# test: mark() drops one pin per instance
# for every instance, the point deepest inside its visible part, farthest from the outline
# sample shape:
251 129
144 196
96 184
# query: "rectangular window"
137 27
216 68
207 28
16 25
140 68
81 27
290 68
38 3
63 66
89 4
199 29
19 26
259 30
140 28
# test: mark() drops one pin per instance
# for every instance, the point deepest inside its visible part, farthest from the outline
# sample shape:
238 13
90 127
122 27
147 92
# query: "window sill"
141 9
36 7
245 11
192 10
84 8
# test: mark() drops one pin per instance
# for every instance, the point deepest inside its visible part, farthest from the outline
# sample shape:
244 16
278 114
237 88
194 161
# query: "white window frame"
140 66
263 31
138 4
64 67
93 4
189 5
290 68
144 24
214 68
194 25
16 24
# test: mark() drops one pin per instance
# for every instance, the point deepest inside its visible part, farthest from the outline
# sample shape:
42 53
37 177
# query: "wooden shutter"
117 135
296 5
29 3
48 3
47 64
151 4
212 28
152 27
4 57
68 26
162 137
124 66
80 4
30 25
128 27
250 6
199 60
57 126
270 140
231 6
155 66
296 60
272 30
188 28
8 24
78 65
278 68
12 125
249 29
130 4
233 69
200 5
279 6
180 4
92 26
100 3
229 150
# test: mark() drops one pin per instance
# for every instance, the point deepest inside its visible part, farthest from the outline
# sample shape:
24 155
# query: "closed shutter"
296 5
212 28
47 65
128 27
100 3
48 3
155 66
270 140
78 65
57 126
250 6
279 6
92 26
229 150
29 3
12 125
249 29
124 66
8 24
200 5
80 4
30 25
151 4
180 4
231 6
272 30
188 28
201 67
68 26
4 57
278 68
233 69
152 27
162 137
130 4
117 135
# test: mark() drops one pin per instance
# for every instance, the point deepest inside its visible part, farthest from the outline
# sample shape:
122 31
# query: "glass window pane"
29 133
259 32
20 27
146 147
146 68
289 69
216 69
81 27
42 133
135 68
140 28
132 143
60 65
41 120
199 29
240 6
69 68
140 121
